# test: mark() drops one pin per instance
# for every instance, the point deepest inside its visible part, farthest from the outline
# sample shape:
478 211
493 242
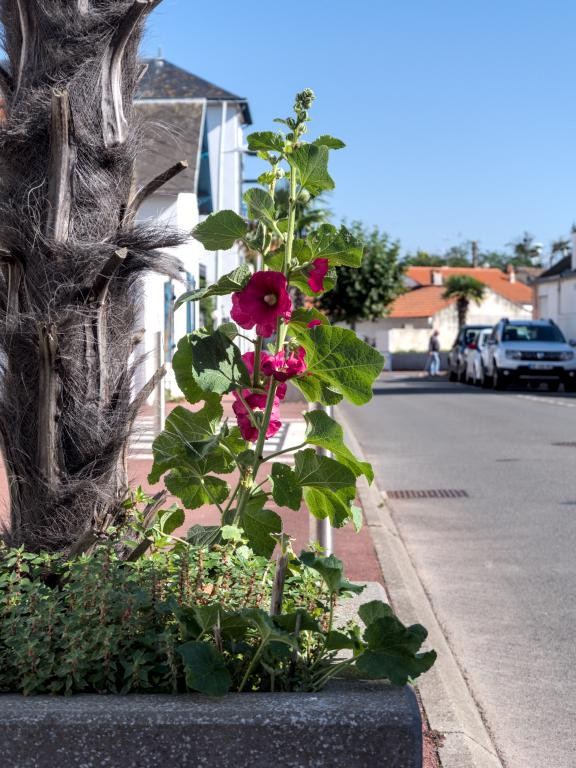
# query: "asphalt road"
499 564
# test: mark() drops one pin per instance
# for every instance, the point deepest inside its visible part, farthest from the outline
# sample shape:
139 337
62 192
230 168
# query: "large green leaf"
268 631
188 437
331 569
324 503
230 283
329 141
339 246
203 535
259 525
205 669
195 490
393 651
311 161
338 358
265 141
322 472
219 231
208 365
302 317
260 205
374 610
316 391
326 433
286 490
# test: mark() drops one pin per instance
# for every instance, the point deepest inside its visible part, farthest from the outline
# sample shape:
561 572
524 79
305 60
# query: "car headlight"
567 356
513 354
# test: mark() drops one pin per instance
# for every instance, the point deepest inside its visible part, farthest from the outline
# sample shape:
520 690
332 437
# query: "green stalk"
291 221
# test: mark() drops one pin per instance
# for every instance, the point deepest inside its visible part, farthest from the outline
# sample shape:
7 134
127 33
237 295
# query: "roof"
561 268
420 302
164 80
171 132
517 292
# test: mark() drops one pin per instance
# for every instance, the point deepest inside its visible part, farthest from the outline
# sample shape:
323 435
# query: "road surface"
499 563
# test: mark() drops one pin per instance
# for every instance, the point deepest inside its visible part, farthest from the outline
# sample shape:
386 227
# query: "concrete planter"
348 725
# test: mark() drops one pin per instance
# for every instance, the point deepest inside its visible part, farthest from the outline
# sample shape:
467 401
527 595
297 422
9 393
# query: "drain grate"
565 445
439 493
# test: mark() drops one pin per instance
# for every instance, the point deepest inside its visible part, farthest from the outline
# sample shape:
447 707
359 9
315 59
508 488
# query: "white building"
185 118
556 293
414 314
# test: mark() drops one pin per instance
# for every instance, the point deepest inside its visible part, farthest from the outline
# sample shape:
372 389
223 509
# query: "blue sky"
459 116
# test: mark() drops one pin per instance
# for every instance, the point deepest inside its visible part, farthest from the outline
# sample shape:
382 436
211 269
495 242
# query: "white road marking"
549 401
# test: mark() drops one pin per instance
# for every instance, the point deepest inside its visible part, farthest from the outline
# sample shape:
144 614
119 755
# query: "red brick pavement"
356 550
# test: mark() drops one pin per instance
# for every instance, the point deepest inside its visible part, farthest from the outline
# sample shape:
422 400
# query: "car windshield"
532 333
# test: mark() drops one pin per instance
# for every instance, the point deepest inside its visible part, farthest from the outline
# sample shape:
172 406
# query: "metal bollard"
323 527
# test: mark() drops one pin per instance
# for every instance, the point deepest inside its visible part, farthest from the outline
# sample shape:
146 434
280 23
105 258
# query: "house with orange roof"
414 314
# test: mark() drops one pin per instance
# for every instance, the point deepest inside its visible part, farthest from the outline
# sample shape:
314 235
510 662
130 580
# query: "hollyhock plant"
283 367
317 275
262 302
257 404
314 323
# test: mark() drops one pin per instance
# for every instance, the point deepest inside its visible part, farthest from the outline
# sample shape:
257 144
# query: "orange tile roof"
420 302
492 277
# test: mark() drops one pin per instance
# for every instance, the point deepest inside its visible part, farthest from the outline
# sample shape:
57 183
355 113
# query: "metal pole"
323 527
160 394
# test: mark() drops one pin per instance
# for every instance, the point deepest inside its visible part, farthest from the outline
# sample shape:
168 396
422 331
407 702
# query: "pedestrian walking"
434 354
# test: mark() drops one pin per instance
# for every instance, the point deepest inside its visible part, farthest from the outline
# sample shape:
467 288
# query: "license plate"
542 367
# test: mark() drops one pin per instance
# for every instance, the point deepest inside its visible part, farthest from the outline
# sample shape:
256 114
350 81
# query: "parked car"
456 358
532 351
475 357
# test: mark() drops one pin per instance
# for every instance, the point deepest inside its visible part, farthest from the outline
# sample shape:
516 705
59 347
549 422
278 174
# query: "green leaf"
266 141
328 141
316 391
312 164
219 231
259 525
230 283
230 330
231 533
203 536
325 503
205 669
208 365
339 246
357 517
323 472
341 361
392 651
332 571
373 610
193 490
286 490
266 627
302 317
260 205
169 520
338 641
288 622
188 437
325 432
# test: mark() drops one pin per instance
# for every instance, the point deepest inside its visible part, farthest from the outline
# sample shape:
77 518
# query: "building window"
205 205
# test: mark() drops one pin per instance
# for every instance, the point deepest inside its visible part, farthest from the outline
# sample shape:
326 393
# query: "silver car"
475 357
532 351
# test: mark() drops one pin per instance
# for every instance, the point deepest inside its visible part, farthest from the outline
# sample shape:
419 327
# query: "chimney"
511 273
437 278
573 260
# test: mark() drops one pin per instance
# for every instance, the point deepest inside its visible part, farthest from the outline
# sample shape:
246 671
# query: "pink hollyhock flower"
317 275
283 368
257 403
261 302
314 323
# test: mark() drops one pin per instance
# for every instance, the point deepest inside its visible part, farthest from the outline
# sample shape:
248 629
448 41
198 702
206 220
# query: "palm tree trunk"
462 308
72 260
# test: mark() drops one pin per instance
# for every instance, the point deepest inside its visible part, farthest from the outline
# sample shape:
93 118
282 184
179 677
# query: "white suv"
529 350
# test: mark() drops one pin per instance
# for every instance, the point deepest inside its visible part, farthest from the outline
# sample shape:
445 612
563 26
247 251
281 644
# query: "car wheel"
553 386
452 376
498 380
570 386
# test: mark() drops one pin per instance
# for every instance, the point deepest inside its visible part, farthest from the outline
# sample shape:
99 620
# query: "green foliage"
186 619
220 231
464 288
233 281
367 292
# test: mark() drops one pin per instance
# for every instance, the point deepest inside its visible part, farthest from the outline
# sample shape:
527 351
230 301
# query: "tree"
72 258
464 289
527 253
455 256
366 293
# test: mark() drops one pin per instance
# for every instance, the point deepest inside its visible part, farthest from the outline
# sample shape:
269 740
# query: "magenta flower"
283 368
314 323
317 275
257 403
261 302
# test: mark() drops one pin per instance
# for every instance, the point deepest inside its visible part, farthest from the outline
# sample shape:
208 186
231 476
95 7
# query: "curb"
447 700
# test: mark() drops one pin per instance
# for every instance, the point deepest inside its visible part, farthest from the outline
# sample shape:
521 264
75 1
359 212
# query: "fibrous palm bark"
71 259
